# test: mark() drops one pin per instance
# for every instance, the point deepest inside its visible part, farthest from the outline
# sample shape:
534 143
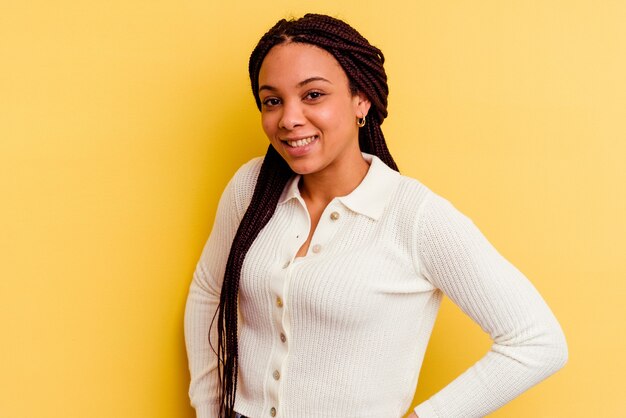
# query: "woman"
318 288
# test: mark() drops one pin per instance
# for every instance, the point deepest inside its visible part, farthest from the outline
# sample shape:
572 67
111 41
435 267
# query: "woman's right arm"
204 292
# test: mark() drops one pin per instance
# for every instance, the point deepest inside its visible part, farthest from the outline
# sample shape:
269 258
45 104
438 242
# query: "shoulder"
441 236
241 186
426 214
247 174
422 201
410 197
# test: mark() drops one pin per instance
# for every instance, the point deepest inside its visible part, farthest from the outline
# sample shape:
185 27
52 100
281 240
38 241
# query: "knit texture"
342 331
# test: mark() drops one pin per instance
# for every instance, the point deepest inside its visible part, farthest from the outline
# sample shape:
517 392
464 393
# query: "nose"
292 116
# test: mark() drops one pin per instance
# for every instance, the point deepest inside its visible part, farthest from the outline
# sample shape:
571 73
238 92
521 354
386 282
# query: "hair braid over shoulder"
363 65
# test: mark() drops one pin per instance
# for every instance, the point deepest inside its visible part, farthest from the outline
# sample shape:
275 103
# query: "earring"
360 121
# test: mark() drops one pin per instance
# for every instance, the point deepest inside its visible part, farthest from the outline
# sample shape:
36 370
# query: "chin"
303 167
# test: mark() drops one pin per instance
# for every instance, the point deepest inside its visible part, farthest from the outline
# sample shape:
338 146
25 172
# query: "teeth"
301 142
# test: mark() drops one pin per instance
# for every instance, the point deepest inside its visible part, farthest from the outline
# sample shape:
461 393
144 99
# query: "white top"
342 331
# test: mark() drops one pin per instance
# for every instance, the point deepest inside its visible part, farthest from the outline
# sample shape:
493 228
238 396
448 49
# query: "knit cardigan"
342 331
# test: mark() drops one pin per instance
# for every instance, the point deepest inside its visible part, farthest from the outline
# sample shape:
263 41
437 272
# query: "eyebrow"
300 84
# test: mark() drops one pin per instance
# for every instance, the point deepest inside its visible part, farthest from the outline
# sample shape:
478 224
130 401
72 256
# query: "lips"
300 142
297 147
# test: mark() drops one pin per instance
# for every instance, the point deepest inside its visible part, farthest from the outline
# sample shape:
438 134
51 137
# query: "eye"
313 95
271 102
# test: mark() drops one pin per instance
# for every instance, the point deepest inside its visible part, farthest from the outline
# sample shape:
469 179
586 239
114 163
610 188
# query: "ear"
361 105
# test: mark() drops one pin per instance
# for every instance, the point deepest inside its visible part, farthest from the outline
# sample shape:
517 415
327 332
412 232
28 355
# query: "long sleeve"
204 292
528 343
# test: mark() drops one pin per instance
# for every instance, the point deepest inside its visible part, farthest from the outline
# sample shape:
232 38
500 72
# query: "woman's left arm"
528 343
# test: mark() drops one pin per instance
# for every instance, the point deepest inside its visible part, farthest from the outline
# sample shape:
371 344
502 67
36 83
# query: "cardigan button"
276 375
273 412
279 302
334 216
283 337
317 248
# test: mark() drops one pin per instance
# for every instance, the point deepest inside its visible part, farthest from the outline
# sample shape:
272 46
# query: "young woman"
318 288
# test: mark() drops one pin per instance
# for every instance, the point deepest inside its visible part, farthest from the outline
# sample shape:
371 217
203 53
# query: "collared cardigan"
342 331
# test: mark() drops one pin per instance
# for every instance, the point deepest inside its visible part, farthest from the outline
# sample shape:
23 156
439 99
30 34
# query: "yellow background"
121 122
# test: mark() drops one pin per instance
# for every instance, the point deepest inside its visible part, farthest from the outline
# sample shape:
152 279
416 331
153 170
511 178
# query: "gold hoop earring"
360 121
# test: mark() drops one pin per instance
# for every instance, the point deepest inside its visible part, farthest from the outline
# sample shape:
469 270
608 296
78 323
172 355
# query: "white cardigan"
342 331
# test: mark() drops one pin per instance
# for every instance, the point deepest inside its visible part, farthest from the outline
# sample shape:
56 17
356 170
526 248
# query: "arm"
204 292
528 343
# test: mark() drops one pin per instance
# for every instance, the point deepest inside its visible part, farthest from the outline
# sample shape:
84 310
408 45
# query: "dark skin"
310 117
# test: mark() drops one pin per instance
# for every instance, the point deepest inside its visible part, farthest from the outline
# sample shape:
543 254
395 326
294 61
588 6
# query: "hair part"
363 65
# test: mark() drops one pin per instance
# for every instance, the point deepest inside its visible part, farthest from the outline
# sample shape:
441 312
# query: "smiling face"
308 112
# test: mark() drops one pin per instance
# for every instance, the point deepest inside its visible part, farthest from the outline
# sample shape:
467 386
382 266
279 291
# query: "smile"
301 142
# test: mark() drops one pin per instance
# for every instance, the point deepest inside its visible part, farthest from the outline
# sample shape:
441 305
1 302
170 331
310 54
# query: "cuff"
425 410
207 411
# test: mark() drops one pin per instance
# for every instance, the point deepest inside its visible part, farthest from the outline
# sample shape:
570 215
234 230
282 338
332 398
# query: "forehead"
288 64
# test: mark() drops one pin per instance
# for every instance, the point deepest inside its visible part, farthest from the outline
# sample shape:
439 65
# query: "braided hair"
363 65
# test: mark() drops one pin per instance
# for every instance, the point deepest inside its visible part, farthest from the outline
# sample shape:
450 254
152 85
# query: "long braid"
272 179
363 64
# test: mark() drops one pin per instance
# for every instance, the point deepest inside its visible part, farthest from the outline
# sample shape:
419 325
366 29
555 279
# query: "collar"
369 198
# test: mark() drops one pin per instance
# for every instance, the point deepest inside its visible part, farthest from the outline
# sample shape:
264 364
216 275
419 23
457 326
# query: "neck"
336 180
